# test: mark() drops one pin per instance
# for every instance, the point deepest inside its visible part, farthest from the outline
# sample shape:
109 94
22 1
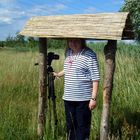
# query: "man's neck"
77 50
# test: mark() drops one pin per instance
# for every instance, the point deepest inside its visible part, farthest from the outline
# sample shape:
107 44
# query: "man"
81 80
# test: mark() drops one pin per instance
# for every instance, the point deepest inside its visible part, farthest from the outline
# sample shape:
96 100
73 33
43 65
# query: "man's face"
74 43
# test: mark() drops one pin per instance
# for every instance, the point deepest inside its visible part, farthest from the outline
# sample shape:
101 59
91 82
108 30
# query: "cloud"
9 11
39 10
8 16
13 14
90 10
6 1
118 2
6 20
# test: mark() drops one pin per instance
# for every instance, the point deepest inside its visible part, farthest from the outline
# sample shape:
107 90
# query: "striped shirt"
79 72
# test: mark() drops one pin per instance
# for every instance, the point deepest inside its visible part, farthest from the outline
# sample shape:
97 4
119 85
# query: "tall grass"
19 96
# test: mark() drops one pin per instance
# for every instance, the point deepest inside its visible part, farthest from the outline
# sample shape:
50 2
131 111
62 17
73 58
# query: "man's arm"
59 74
92 103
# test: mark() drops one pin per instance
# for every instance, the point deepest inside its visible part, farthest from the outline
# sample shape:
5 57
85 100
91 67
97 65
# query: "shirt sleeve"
94 68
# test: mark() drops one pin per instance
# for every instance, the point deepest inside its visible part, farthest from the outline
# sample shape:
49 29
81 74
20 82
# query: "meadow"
19 95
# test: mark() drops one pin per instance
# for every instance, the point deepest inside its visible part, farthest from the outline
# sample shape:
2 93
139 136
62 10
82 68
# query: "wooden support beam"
42 86
109 52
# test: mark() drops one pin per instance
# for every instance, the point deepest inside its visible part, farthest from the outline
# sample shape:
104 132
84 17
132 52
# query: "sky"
15 13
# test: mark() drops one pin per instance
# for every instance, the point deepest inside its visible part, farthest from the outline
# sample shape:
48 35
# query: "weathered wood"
109 51
108 26
42 86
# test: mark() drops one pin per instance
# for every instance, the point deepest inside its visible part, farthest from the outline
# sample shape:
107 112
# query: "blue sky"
15 13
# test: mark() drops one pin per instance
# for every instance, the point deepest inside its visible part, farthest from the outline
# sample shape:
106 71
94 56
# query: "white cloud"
39 10
118 2
4 1
7 3
6 20
9 11
7 16
13 15
56 8
90 10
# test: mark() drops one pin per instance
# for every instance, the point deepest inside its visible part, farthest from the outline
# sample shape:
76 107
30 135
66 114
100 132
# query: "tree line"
30 42
19 41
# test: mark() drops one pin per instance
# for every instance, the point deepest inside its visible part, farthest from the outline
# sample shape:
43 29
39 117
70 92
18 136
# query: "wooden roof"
110 26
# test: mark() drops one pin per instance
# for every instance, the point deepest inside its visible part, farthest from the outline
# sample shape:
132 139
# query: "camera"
51 56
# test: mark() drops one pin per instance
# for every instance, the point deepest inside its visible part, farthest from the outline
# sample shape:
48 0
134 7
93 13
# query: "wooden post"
110 52
42 86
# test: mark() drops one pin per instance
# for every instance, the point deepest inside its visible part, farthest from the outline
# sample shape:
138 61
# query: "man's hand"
56 75
92 104
59 74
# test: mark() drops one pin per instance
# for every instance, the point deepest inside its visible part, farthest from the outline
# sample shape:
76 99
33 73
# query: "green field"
19 95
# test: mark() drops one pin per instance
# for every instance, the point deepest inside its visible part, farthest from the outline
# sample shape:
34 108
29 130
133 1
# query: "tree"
56 43
32 42
133 7
2 44
10 41
20 38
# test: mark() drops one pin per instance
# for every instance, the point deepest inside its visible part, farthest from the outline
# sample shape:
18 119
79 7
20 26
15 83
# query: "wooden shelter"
110 26
105 26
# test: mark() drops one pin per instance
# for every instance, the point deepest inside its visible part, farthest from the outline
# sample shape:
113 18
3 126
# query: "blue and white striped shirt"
79 72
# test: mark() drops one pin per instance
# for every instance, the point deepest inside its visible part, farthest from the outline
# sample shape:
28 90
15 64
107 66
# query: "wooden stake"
42 86
110 52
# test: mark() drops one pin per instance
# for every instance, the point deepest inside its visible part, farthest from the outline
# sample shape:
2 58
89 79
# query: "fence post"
109 52
42 86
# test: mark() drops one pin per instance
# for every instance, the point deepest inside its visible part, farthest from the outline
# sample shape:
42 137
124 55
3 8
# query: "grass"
19 96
